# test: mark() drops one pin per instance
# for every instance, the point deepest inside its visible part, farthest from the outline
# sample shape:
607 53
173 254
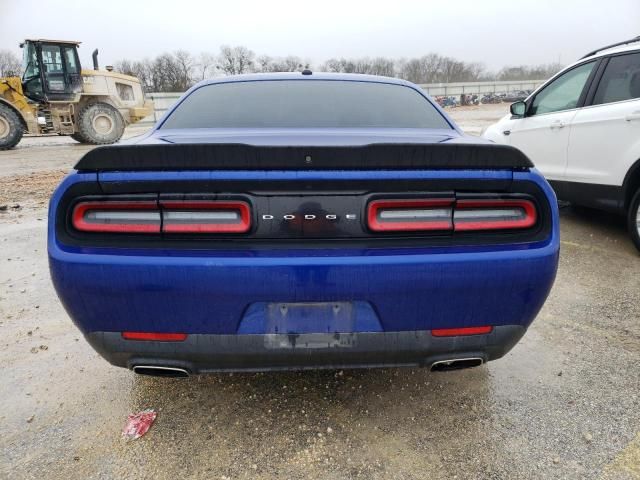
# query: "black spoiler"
235 156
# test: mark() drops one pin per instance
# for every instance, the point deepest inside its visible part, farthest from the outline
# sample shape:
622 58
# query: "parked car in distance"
582 131
515 96
303 220
491 98
447 101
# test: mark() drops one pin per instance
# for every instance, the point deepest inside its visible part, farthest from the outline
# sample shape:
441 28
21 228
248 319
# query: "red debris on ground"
138 424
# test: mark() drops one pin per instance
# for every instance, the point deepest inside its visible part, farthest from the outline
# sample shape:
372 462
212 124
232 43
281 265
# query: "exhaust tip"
456 364
160 371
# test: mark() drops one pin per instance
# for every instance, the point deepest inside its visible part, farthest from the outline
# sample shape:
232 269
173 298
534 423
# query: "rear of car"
282 222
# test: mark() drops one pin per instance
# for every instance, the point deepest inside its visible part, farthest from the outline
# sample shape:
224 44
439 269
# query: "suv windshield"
305 104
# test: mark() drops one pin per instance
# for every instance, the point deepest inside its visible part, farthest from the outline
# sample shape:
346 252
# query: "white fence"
479 88
161 102
164 101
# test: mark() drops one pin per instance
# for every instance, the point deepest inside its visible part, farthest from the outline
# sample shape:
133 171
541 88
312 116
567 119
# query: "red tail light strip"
117 216
205 216
496 214
457 332
398 215
410 215
170 217
155 337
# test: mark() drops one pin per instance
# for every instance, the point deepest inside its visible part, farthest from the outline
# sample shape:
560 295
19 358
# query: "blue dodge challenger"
304 220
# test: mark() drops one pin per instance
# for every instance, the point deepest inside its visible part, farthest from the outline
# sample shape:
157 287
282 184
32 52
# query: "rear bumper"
219 353
408 291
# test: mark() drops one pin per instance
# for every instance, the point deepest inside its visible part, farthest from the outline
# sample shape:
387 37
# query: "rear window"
305 104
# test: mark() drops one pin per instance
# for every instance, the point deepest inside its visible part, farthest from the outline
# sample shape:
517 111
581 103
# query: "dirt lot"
565 403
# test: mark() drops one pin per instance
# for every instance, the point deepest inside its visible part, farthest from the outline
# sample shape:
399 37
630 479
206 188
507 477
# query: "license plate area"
308 317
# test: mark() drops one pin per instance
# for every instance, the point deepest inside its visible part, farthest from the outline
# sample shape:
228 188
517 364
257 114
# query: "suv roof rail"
626 42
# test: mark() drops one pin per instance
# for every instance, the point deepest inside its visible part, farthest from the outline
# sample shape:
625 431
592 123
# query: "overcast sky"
495 32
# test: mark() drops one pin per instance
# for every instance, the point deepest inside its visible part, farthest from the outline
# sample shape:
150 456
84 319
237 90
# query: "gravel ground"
565 403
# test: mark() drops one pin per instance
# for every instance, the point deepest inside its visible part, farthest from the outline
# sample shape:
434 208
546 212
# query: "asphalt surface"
565 403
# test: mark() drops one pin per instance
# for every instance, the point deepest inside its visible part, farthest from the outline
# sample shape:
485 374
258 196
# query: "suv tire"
633 219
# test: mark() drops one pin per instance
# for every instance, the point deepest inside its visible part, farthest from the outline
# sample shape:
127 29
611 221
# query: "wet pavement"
565 403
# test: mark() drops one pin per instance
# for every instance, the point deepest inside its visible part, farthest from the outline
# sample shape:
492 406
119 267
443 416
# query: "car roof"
601 53
633 45
354 77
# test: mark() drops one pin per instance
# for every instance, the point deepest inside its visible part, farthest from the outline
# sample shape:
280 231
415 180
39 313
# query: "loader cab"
52 70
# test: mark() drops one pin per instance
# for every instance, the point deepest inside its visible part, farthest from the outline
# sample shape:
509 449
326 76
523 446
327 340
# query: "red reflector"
117 216
156 337
410 214
205 216
455 332
496 214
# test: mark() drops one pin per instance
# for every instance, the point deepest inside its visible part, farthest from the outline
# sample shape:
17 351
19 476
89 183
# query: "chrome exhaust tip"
456 364
160 371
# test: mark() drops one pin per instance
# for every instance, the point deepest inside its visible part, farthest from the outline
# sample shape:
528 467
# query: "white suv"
582 131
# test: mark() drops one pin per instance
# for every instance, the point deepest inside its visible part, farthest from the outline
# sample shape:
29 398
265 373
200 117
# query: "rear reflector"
456 332
117 216
446 214
410 215
205 216
493 214
155 337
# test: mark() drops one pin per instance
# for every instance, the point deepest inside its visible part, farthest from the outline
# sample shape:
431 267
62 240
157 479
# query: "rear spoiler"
235 156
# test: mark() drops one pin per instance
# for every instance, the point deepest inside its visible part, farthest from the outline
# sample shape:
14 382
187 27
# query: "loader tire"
11 129
99 124
78 138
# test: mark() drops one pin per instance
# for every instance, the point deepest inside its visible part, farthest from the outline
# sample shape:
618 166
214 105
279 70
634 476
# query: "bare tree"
176 72
10 65
205 68
290 63
142 69
413 71
185 64
434 68
343 65
525 72
235 60
263 63
366 65
383 66
172 72
451 70
332 65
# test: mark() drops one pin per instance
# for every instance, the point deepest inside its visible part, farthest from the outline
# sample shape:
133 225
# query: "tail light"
205 217
493 214
117 217
410 215
168 216
404 215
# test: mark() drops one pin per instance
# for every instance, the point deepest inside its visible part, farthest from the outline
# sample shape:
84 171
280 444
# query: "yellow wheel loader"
55 96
